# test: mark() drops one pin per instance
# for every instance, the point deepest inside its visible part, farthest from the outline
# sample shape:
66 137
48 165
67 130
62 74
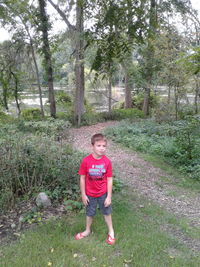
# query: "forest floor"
151 182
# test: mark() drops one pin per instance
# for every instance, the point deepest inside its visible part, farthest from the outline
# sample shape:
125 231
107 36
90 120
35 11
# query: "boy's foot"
110 240
81 235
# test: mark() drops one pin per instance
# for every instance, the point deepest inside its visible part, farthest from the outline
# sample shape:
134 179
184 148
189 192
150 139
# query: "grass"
140 240
178 178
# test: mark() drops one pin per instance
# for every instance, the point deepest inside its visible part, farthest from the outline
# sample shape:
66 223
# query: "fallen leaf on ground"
127 261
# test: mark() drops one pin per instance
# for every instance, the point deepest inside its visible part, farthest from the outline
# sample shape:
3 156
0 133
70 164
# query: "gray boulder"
43 200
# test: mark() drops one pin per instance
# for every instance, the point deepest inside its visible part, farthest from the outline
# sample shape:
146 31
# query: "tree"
47 55
149 62
11 61
119 26
77 32
21 16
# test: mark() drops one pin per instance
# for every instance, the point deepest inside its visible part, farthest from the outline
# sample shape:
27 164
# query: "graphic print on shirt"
97 172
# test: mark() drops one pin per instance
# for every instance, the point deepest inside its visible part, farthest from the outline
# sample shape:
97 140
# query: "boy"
96 186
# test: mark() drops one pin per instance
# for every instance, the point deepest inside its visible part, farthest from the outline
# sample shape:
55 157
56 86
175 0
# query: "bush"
120 114
90 118
63 98
31 114
65 116
30 164
185 111
164 112
50 127
138 100
188 139
5 118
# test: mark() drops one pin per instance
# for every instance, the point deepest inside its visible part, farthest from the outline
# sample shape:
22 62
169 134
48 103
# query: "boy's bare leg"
108 220
88 225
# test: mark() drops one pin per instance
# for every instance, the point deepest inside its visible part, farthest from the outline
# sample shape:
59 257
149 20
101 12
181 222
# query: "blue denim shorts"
92 206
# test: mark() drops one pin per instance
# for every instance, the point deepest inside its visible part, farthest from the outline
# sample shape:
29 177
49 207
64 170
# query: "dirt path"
151 182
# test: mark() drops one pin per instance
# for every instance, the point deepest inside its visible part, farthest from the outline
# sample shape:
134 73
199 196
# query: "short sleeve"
109 170
83 168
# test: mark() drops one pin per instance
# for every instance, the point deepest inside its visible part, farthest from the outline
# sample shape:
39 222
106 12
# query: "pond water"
97 98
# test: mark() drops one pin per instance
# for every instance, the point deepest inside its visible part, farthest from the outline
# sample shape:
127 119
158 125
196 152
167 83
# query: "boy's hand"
107 202
85 200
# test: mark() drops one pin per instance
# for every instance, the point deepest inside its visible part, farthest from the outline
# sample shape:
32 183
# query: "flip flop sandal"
110 240
79 236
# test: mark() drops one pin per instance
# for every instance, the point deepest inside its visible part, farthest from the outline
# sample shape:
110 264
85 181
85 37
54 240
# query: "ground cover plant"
140 240
92 117
178 143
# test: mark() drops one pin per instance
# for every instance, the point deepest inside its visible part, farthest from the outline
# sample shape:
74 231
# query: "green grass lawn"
140 242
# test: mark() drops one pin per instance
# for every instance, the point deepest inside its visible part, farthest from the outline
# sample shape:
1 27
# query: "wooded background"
144 46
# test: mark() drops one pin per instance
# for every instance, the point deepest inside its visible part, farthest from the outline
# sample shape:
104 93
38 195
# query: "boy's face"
99 148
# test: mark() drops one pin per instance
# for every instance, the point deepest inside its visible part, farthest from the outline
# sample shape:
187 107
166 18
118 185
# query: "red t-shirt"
96 172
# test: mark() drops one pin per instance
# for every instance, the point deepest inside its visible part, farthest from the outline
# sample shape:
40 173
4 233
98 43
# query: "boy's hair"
98 137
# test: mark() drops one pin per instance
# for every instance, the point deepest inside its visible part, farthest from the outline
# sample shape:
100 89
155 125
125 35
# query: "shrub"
89 118
31 114
32 163
138 100
5 118
188 138
164 112
50 127
185 110
120 114
63 98
65 116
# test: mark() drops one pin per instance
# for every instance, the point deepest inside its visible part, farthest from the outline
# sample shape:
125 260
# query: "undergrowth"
178 143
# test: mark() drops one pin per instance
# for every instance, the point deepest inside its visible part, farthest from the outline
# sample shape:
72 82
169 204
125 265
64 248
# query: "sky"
4 35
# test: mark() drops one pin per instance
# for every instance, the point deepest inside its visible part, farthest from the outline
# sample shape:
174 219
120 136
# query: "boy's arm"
82 187
109 191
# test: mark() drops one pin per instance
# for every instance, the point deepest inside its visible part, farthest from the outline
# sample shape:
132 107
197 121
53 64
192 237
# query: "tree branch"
63 16
100 92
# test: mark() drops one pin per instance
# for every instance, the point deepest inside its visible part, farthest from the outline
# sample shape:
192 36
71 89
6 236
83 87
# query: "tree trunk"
176 103
196 95
36 69
47 56
146 102
128 59
38 79
169 95
16 96
16 92
128 97
5 92
79 65
150 56
77 31
110 93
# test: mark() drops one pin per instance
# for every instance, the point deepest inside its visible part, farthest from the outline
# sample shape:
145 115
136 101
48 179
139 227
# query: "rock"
21 218
20 223
43 200
13 225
